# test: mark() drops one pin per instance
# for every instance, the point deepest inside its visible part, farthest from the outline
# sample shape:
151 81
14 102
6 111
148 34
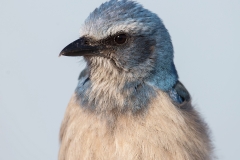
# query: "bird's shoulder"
179 94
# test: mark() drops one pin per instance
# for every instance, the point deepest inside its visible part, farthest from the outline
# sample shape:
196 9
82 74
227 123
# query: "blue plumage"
129 103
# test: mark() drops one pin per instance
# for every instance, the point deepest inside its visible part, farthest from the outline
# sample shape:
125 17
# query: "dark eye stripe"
117 39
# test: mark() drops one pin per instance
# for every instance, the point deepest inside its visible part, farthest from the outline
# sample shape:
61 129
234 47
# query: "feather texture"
164 132
129 103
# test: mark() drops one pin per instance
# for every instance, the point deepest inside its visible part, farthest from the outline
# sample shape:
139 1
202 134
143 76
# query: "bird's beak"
80 47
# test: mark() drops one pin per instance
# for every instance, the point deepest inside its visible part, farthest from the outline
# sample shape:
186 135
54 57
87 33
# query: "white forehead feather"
119 15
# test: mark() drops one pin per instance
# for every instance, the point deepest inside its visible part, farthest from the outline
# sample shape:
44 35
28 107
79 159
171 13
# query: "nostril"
86 42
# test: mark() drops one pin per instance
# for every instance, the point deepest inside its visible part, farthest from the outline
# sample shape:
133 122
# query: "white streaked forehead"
119 15
100 31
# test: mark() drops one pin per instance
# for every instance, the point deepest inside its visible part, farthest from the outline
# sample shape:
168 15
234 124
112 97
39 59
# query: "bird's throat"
104 95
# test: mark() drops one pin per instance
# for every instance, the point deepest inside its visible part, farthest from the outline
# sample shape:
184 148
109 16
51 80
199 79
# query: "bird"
129 103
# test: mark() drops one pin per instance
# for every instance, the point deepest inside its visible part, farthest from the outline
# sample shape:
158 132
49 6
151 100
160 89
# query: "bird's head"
123 39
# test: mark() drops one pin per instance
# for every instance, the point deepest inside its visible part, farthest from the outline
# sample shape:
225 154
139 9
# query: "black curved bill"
79 47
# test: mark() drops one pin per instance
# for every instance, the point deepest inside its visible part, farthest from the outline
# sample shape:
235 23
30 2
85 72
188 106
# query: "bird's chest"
160 133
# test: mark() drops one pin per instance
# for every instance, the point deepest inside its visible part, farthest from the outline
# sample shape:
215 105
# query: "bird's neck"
104 89
105 92
163 76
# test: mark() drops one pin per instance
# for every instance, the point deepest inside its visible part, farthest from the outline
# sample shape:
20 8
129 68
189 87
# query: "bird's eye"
120 39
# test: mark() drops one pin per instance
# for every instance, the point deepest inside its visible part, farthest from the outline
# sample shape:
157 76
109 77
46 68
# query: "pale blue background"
36 85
